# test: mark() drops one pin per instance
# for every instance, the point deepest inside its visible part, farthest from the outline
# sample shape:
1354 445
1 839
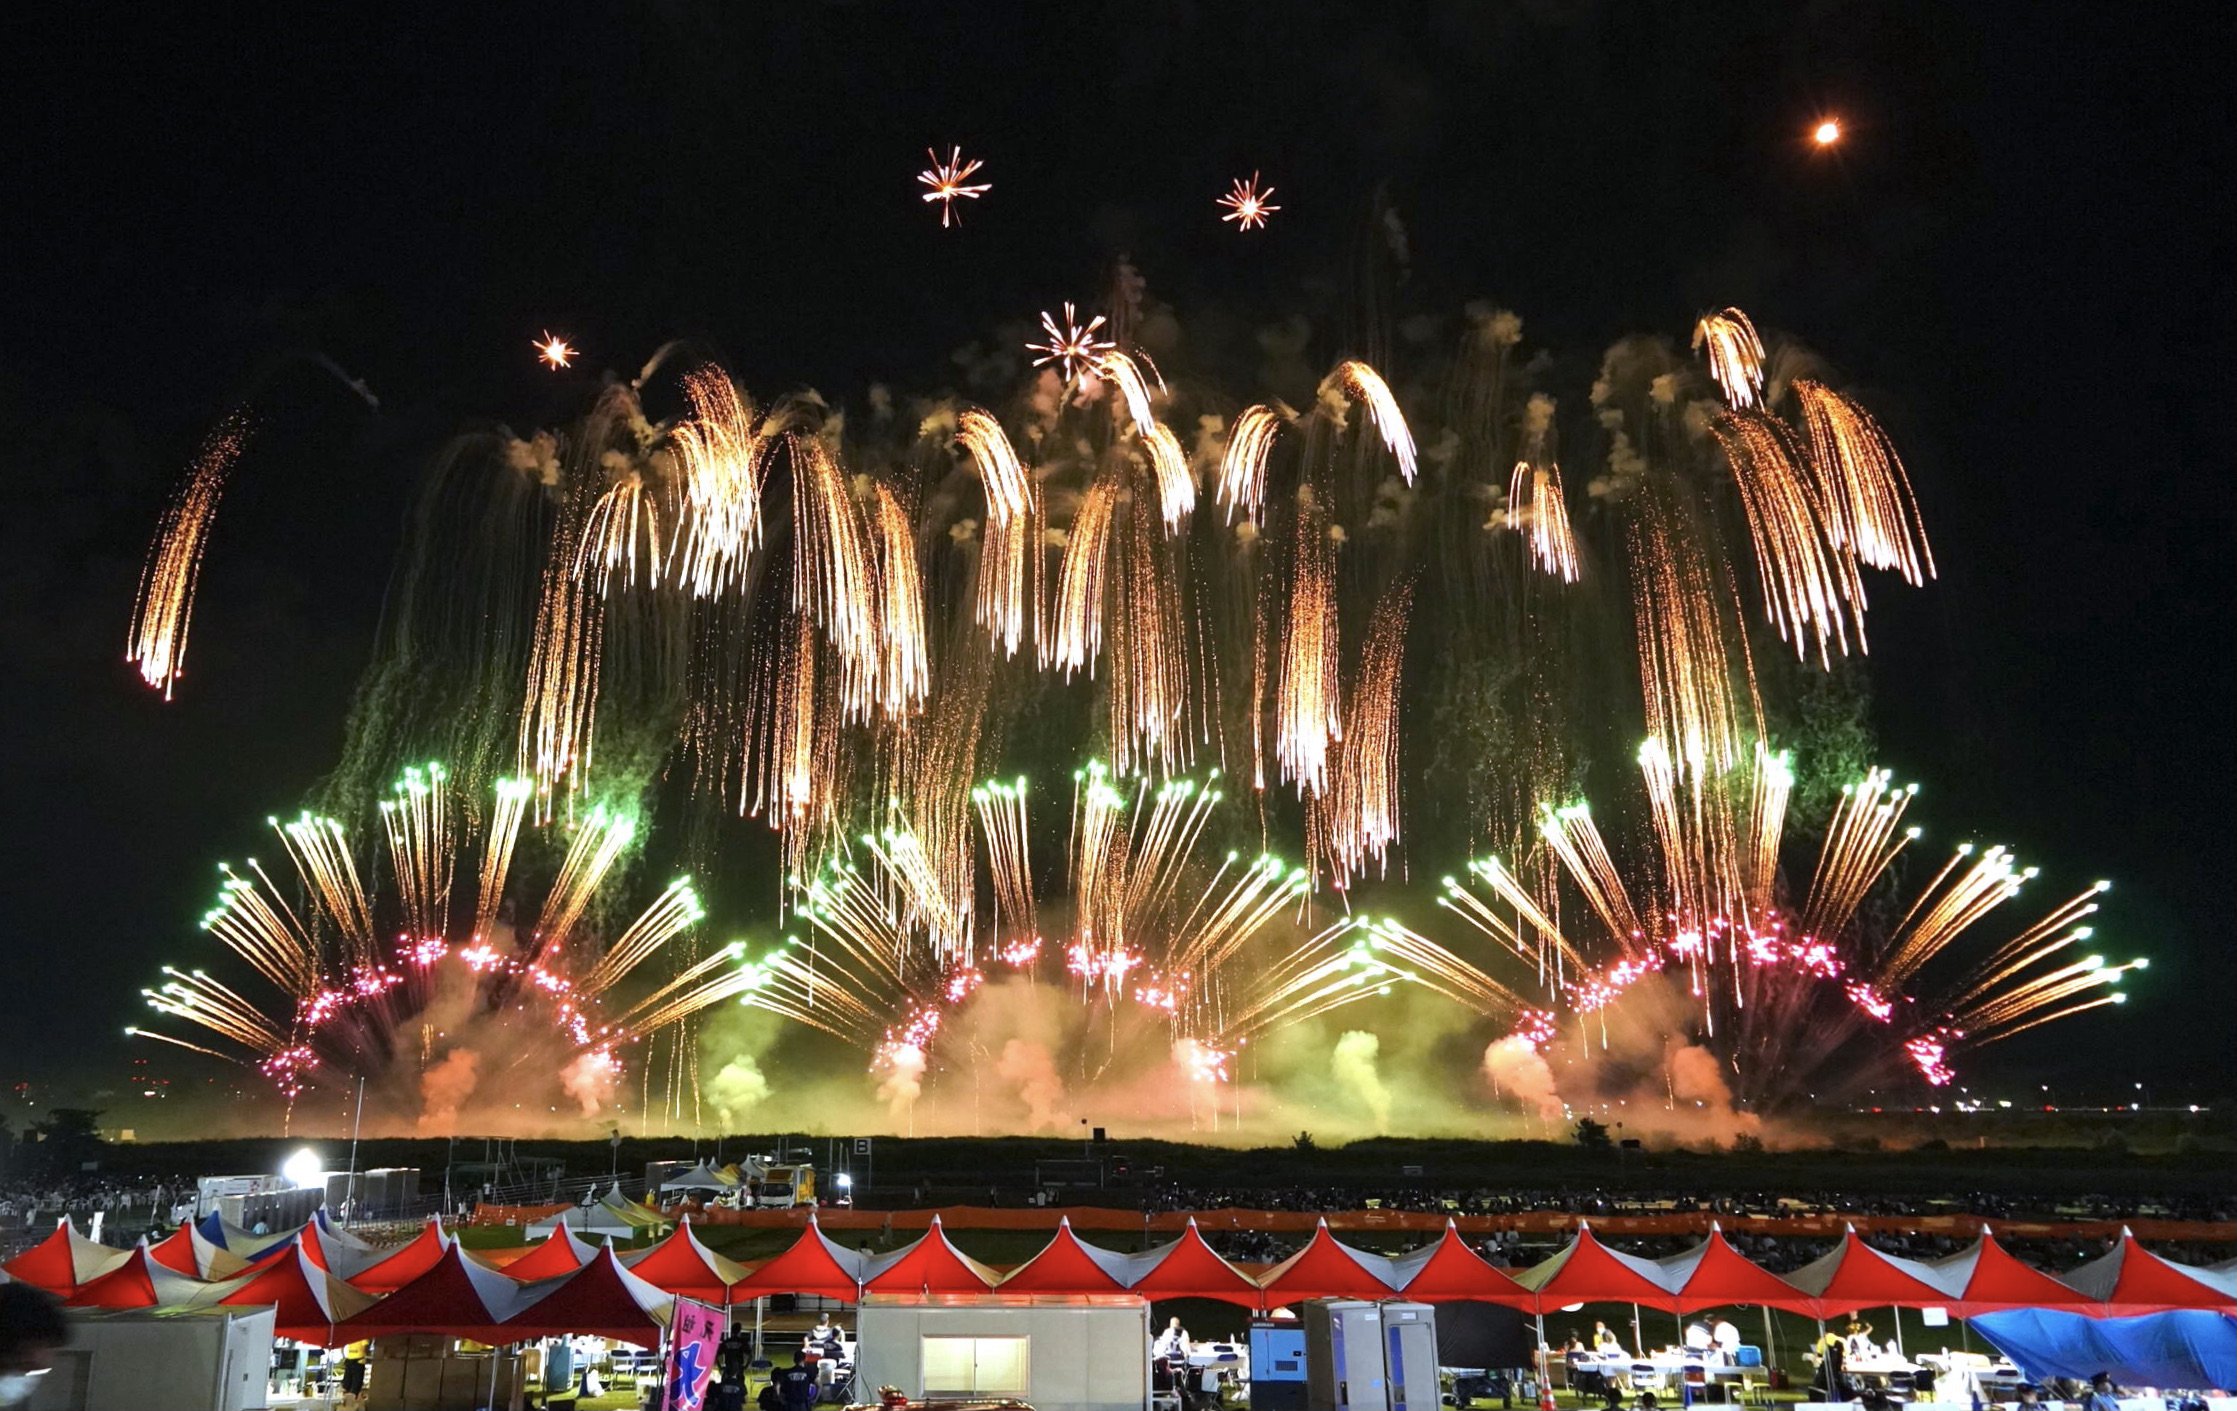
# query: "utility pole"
349 1185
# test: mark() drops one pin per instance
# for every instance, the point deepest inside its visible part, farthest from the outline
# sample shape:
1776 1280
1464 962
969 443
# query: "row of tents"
331 1286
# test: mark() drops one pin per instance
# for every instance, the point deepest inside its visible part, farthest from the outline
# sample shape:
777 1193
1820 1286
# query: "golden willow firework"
165 608
1406 628
1818 998
351 969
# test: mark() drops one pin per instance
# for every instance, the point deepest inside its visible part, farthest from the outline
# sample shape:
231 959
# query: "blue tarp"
2189 1350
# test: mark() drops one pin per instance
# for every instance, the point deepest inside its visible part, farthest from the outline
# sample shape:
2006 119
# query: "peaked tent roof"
1988 1279
561 1252
64 1260
681 1264
247 1243
187 1251
815 1263
1326 1269
1067 1264
456 1297
1587 1271
700 1178
388 1274
601 1299
138 1282
628 1211
930 1264
1191 1268
1854 1275
1713 1274
329 1250
336 1235
2131 1280
307 1300
1450 1271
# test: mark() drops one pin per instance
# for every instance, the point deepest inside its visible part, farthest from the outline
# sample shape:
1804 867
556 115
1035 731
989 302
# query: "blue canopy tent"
2189 1349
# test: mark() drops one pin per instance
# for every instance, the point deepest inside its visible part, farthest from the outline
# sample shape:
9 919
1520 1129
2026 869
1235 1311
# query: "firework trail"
1735 355
164 609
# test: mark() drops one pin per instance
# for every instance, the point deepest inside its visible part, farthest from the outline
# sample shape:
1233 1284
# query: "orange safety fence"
487 1214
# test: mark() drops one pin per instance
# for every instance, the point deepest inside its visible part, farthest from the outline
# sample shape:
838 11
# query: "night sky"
2021 259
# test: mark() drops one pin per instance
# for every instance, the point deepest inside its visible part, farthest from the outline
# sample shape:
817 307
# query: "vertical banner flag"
692 1335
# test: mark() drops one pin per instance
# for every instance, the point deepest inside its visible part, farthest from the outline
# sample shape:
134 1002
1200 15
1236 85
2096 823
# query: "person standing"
796 1384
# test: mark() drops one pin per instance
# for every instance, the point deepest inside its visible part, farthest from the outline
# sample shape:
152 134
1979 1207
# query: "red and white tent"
388 1274
928 1264
1326 1269
1853 1275
1451 1272
188 1251
64 1260
1587 1271
1713 1274
1067 1264
681 1264
1988 1279
307 1301
562 1252
139 1282
2131 1280
1190 1268
455 1297
815 1263
600 1299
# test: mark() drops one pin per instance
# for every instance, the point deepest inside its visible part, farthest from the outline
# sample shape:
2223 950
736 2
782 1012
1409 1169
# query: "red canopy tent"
1854 1275
1715 1275
337 1252
391 1273
1190 1268
681 1264
814 1263
928 1264
139 1282
562 1252
1450 1272
63 1260
1326 1269
1988 1279
600 1299
306 1299
2131 1279
1587 1271
456 1297
190 1252
1068 1265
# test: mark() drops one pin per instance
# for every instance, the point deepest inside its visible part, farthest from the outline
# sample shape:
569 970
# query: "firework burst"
1247 205
946 183
1074 348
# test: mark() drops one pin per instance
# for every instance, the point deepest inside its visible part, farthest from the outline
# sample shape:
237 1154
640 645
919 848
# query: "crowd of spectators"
31 1207
1484 1201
